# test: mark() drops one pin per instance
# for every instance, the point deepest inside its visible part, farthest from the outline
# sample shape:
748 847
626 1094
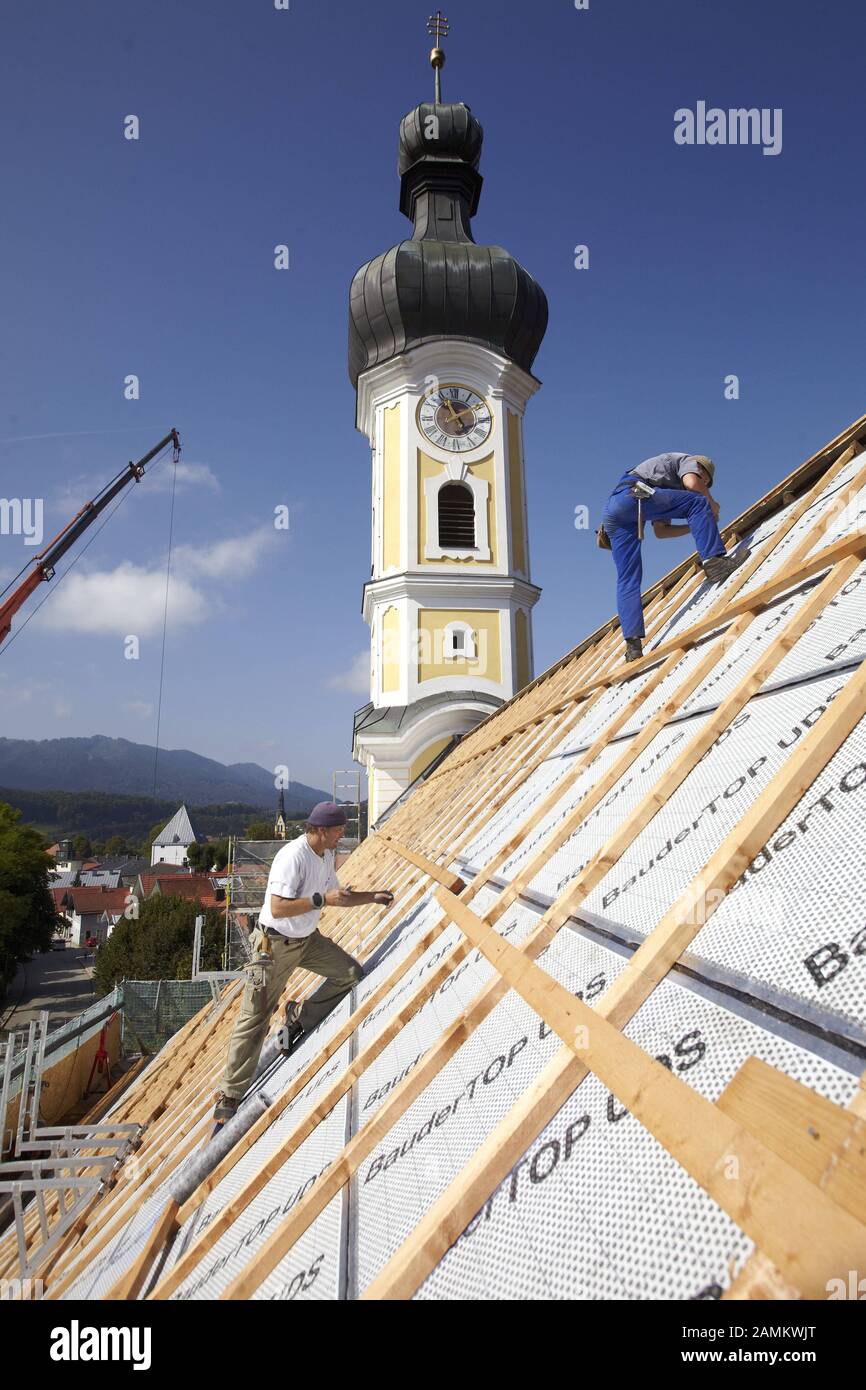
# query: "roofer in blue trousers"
674 485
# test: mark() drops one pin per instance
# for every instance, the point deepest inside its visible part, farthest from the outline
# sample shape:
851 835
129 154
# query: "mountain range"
116 765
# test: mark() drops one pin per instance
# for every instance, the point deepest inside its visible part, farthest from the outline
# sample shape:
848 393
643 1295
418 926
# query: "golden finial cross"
437 26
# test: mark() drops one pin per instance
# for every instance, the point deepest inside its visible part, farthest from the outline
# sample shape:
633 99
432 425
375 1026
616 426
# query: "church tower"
442 335
280 824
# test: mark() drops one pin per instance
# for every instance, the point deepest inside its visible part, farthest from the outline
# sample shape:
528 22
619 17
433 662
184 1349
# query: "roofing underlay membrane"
590 1202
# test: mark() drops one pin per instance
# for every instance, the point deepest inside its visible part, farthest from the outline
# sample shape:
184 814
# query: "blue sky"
258 127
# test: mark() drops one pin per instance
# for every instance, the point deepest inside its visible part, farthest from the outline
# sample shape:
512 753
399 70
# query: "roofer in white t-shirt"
302 880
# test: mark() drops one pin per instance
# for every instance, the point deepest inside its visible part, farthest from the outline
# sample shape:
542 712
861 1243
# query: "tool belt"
629 484
602 539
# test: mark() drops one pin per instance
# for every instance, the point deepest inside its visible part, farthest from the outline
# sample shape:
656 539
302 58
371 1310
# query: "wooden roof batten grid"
284 1237
446 813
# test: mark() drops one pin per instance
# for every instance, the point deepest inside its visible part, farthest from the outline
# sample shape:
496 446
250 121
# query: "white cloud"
140 708
37 694
73 495
126 600
188 475
229 558
356 677
21 692
129 599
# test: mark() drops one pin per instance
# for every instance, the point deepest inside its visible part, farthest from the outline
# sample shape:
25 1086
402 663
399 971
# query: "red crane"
45 563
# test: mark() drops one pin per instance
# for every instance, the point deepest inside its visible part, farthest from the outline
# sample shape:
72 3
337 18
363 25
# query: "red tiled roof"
148 880
192 886
97 899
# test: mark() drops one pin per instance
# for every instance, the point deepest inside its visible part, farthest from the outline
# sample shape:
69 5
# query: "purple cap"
327 813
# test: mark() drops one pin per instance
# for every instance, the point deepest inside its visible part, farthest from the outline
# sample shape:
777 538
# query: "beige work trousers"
316 953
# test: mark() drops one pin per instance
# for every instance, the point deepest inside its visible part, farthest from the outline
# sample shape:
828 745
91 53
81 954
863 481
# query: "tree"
212 855
81 847
27 915
115 846
259 830
158 944
151 836
199 857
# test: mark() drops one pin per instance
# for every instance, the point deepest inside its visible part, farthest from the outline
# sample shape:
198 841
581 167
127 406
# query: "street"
58 980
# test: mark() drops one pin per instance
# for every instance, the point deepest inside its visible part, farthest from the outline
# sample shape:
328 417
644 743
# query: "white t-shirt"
298 872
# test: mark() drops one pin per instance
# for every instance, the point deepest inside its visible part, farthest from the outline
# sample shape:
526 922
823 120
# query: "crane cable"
164 620
14 580
59 579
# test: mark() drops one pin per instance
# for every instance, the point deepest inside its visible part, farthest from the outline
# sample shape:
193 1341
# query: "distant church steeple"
280 826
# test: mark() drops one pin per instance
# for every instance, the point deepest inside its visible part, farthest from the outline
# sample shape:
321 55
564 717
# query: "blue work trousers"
620 523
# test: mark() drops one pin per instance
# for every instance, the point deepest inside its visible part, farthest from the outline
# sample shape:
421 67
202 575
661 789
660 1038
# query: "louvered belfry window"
456 517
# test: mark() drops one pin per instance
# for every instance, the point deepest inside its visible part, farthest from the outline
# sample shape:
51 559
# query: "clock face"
455 419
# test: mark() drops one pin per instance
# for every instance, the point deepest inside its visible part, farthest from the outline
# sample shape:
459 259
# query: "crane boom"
45 563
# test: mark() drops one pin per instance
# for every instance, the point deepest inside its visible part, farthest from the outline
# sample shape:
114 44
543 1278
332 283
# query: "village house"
93 912
175 838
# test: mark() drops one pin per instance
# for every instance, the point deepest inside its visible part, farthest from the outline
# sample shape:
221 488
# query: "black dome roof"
456 135
439 283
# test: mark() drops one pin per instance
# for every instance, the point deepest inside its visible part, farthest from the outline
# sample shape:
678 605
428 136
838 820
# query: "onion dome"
440 283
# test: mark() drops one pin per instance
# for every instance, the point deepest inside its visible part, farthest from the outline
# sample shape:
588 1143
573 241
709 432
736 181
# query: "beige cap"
707 464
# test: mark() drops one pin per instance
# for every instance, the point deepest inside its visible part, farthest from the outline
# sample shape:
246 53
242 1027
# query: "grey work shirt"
667 470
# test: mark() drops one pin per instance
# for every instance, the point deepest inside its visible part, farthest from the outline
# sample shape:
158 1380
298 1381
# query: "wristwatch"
318 900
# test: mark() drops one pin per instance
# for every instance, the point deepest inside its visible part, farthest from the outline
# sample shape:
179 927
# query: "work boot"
291 1031
633 648
718 568
226 1108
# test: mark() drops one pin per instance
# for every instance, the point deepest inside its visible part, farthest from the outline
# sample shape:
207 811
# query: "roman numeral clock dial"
455 418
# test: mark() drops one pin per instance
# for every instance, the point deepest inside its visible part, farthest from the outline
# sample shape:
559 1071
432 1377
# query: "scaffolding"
154 1010
248 868
48 1163
348 792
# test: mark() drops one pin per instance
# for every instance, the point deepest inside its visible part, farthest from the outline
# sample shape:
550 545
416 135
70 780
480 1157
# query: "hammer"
641 491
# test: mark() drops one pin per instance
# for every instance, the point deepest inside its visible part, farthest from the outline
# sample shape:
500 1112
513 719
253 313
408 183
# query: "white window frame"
469 650
455 471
